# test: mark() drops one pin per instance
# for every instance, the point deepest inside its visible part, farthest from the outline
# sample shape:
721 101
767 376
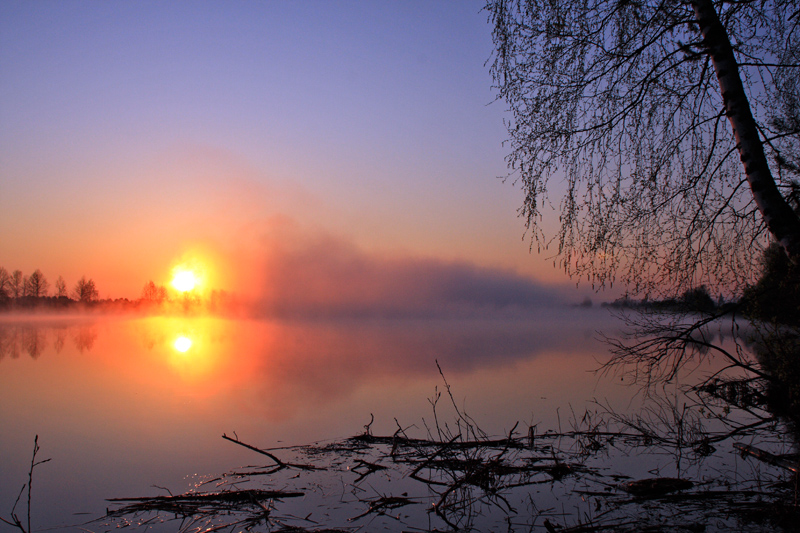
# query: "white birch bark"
779 217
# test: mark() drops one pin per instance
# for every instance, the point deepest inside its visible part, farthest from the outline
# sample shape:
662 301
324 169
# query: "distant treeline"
697 299
26 292
20 291
774 298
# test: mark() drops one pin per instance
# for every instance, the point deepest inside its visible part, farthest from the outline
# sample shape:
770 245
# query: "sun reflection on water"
194 352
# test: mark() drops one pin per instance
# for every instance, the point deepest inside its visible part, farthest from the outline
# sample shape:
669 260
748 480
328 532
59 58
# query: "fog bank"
330 277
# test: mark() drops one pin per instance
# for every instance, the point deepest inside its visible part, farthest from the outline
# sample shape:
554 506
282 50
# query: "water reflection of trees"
84 338
778 354
34 341
19 339
757 368
749 402
35 338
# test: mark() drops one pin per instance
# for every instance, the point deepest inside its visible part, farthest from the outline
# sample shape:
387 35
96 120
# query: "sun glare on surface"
184 280
182 344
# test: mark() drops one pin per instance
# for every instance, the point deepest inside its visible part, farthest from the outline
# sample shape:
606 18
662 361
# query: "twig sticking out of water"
367 427
470 426
15 521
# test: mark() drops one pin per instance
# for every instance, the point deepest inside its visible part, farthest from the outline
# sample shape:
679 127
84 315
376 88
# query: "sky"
273 142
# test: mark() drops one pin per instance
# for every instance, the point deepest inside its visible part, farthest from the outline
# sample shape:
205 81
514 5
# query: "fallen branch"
278 462
767 457
245 505
232 496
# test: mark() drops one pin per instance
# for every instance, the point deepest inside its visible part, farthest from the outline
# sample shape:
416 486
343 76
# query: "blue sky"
134 133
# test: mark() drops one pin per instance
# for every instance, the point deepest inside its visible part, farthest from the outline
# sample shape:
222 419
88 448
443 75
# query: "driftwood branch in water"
278 462
225 496
205 504
258 450
767 457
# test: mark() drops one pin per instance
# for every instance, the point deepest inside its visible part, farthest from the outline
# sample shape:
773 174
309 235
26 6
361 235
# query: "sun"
182 344
185 280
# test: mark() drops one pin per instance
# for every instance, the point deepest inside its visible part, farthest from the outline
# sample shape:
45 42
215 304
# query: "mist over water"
321 275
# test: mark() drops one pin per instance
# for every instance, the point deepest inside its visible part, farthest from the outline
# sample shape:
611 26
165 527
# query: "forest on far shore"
20 292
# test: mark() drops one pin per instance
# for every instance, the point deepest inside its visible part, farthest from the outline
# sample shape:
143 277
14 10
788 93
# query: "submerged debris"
385 503
192 503
461 484
461 479
783 462
232 507
654 487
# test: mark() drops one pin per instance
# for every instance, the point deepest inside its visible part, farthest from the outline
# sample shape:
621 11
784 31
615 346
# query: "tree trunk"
779 217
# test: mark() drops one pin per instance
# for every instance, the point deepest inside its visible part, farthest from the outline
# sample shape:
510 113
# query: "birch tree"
659 131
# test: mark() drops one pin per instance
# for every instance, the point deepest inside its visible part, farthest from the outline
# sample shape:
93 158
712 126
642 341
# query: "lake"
129 406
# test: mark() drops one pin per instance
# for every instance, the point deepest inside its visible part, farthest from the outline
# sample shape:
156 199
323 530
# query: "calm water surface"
125 405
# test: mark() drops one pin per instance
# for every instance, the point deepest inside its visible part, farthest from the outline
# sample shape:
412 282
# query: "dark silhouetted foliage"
17 284
698 300
36 285
776 296
779 355
85 290
5 285
61 287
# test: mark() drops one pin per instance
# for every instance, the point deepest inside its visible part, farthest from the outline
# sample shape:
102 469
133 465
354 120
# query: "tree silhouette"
149 291
85 290
154 293
36 285
698 300
17 284
670 124
61 287
776 295
5 284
